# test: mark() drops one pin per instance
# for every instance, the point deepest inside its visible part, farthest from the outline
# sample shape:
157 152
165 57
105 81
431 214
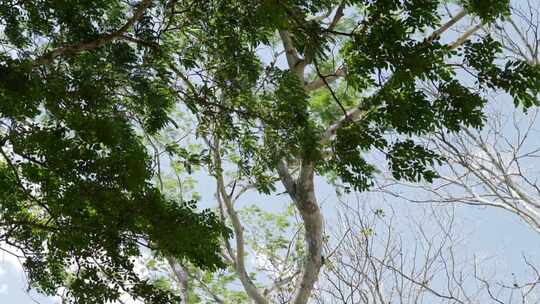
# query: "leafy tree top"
81 81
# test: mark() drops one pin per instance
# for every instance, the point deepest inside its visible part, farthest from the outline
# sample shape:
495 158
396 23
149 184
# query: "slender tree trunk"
181 277
302 192
225 199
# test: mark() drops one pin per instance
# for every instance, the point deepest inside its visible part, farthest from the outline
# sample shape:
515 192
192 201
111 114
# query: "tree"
77 203
379 88
378 255
490 168
109 79
493 167
374 252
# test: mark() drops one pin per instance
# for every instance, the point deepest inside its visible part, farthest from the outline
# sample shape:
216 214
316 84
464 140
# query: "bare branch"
225 199
337 16
324 80
455 19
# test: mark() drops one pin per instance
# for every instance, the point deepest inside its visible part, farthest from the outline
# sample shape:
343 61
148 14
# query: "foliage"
77 199
82 82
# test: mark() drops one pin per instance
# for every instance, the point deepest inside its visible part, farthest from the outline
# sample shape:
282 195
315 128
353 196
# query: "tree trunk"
303 194
182 277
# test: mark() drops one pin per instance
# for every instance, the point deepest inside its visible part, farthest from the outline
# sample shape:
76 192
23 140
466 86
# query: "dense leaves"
517 78
76 194
488 10
83 82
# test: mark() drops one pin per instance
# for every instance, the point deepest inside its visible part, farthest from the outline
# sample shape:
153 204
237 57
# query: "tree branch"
447 25
465 36
181 276
339 14
323 80
87 46
225 198
296 64
362 109
307 206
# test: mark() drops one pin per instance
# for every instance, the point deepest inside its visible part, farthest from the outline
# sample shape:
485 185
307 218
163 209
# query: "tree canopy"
83 82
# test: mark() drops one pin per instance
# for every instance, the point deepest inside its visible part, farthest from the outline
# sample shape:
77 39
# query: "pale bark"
307 206
321 83
303 194
340 12
182 278
296 64
225 199
465 36
455 19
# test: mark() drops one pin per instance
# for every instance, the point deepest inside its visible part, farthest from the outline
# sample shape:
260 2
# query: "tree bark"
182 277
225 199
302 192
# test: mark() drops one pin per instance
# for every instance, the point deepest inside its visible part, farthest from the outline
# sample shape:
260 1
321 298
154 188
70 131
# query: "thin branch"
436 34
225 198
465 36
87 46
